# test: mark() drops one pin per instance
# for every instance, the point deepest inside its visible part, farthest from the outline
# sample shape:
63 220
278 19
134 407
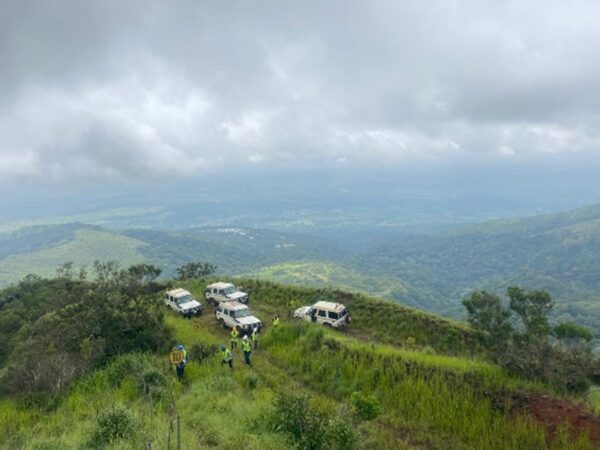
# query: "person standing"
234 338
255 337
227 356
276 321
247 349
180 367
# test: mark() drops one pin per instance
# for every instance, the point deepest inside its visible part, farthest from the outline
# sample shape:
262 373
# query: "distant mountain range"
556 252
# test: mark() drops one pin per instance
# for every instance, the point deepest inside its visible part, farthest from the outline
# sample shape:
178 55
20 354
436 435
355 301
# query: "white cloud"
139 89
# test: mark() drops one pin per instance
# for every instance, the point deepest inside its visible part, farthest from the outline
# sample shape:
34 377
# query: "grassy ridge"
428 400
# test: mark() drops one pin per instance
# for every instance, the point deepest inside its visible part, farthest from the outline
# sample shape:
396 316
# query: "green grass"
428 400
327 274
87 247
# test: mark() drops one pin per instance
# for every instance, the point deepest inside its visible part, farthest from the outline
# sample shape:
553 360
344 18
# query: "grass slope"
86 246
428 400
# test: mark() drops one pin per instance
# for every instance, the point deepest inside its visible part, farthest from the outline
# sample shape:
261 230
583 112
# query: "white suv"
224 292
182 301
326 313
234 314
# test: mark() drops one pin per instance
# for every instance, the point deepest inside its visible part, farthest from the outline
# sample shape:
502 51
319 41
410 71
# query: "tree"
572 331
490 319
193 269
532 307
528 350
144 273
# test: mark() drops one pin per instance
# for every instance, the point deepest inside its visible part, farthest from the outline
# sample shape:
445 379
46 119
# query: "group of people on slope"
227 355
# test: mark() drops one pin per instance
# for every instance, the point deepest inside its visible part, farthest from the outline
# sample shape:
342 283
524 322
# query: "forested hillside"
559 253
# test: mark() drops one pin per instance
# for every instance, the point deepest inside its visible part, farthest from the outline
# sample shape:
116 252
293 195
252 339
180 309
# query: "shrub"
202 352
115 424
152 384
126 366
366 407
308 428
294 416
252 381
341 435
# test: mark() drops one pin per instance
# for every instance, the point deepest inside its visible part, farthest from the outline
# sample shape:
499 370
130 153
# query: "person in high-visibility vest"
180 367
247 349
227 356
276 321
255 337
234 337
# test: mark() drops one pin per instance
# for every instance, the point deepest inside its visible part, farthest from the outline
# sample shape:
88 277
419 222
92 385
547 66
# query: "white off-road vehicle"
326 313
234 314
224 292
182 301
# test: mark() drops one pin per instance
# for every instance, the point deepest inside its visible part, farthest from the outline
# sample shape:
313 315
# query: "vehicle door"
321 316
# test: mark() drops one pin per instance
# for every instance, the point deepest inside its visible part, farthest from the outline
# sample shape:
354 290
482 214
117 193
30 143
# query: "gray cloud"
163 89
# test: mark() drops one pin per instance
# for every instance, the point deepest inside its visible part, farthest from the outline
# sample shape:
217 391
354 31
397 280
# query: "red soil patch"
555 412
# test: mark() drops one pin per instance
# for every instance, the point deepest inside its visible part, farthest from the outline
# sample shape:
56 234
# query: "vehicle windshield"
242 313
184 299
230 290
343 312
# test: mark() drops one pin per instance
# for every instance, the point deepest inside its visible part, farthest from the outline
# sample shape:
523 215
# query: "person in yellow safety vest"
247 349
180 367
234 337
227 357
276 321
255 337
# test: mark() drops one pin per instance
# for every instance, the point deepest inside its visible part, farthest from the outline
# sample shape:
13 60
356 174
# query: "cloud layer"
165 89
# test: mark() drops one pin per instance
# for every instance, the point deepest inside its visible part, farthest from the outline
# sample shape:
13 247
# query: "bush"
308 428
202 352
252 381
341 435
152 384
366 407
126 366
115 424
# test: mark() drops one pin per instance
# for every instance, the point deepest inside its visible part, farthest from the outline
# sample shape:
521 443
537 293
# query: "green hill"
82 246
559 253
396 379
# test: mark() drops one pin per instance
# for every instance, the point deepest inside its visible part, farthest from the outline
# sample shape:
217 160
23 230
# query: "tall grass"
446 409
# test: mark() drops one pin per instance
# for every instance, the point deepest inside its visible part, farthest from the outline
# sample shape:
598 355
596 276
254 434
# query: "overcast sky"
123 89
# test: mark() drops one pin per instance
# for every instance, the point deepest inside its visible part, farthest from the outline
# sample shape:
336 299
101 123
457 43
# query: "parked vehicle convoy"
181 301
217 293
234 314
326 313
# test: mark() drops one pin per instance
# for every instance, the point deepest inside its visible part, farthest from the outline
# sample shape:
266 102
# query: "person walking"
234 338
247 349
227 356
255 337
